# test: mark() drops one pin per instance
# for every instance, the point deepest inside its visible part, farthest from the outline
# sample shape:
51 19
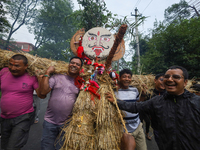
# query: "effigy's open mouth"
98 50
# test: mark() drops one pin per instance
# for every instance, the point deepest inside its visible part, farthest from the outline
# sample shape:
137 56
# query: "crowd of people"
172 111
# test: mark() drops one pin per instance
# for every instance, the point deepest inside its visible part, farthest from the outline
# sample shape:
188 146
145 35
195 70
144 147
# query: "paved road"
36 132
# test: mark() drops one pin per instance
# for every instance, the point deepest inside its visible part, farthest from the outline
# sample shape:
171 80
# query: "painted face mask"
97 43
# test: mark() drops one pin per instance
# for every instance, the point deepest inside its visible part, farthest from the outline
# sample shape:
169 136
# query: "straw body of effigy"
109 119
95 125
80 133
35 64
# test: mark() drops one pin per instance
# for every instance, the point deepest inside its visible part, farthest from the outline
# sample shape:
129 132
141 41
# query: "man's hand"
50 70
128 142
110 97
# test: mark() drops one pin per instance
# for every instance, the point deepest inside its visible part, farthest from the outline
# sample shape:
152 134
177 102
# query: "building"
26 47
17 46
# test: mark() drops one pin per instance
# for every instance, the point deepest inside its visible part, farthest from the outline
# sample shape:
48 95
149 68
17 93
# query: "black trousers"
14 131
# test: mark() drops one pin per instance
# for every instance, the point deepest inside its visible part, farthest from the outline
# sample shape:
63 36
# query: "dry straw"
35 64
95 125
80 132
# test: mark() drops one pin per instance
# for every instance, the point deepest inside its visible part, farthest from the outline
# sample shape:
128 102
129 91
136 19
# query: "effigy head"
97 43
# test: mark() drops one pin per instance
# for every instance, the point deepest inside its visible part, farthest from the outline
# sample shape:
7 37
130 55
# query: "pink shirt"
63 97
17 94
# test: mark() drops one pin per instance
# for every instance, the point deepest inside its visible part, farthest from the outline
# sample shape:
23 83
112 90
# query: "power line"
193 3
137 3
147 6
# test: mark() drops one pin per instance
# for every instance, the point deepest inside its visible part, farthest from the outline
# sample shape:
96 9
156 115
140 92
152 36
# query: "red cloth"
78 82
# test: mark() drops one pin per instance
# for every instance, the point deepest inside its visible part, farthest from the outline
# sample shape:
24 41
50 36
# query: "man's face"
74 66
97 42
159 85
174 81
17 67
125 80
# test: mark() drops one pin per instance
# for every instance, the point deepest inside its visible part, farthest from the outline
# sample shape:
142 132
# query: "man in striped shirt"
131 94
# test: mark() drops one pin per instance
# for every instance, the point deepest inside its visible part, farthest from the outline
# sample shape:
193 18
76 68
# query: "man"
60 105
131 94
16 102
158 90
177 112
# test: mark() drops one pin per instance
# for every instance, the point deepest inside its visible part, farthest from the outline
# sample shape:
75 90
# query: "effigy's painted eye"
91 38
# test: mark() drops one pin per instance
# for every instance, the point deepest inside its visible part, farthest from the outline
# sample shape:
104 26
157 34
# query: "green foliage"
52 30
4 24
94 14
177 11
176 44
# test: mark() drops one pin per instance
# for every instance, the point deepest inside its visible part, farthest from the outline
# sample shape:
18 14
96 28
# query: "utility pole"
137 41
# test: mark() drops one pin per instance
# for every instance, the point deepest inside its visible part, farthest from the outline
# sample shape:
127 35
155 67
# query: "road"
36 132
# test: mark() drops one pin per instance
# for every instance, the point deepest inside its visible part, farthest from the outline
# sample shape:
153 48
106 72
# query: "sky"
153 9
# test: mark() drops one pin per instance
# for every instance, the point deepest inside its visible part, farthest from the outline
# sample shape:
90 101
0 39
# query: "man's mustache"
100 46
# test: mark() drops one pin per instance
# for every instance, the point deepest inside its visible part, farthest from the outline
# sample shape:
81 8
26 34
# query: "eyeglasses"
174 76
161 79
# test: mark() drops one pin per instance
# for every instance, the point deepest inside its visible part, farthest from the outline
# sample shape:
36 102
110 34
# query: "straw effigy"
95 125
98 125
109 119
80 133
35 64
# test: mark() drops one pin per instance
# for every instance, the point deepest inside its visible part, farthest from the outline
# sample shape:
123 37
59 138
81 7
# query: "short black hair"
185 72
159 75
20 57
127 71
76 58
196 87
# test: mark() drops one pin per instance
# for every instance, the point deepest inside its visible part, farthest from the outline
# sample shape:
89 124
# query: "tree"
180 11
143 44
52 30
176 44
4 24
177 11
21 11
95 14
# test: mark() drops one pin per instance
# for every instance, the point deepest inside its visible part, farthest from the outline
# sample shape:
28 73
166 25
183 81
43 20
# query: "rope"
115 102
